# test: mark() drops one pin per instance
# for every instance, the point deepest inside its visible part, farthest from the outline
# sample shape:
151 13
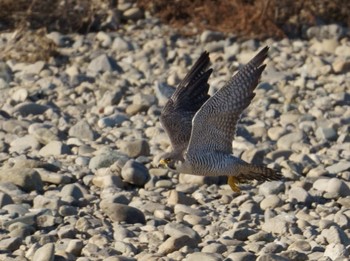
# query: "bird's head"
171 160
167 162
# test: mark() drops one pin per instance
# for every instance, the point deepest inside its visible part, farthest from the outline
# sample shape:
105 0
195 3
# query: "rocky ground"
80 137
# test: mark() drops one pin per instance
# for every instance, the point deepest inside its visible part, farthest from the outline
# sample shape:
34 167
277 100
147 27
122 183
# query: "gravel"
80 139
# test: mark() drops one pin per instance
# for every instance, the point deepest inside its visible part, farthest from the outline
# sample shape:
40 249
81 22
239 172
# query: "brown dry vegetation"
55 15
250 18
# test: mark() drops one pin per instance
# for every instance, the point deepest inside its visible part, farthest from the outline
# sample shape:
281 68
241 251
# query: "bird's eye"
167 160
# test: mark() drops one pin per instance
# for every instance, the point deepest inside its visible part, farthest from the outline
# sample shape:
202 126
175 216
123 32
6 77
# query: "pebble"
45 253
134 149
203 256
101 64
28 108
135 173
54 148
82 130
25 178
175 243
119 212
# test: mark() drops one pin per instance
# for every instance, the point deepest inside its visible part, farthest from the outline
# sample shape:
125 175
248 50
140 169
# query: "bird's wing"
189 96
214 124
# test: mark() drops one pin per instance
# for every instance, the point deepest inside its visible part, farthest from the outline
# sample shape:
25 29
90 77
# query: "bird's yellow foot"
232 181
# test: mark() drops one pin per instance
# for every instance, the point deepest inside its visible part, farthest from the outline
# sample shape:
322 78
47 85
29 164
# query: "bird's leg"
232 181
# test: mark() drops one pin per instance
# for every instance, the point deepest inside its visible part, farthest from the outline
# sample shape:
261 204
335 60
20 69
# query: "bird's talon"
232 181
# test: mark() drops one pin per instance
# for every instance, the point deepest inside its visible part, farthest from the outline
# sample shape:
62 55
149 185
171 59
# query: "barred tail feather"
259 173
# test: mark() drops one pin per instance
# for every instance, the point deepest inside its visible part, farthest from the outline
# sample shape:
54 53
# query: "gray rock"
135 148
341 66
82 130
20 95
133 13
27 179
272 187
119 212
271 201
326 134
73 190
338 167
34 68
177 230
199 256
210 36
44 135
20 230
57 38
10 244
335 235
104 38
331 31
175 243
333 186
102 63
75 246
54 148
336 250
176 197
286 141
49 202
300 245
276 225
25 143
135 173
121 45
17 209
241 256
5 199
53 178
126 249
30 108
272 257
104 160
45 253
214 248
300 195
5 73
111 97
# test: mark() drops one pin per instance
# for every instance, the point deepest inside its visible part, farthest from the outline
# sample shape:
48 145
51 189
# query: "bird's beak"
162 163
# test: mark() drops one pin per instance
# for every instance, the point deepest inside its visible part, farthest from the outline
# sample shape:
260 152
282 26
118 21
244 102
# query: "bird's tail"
259 173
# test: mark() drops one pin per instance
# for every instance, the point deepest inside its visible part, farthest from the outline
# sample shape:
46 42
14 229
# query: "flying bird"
201 128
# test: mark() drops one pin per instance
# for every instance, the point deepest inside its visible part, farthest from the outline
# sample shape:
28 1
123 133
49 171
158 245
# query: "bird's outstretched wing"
189 96
214 124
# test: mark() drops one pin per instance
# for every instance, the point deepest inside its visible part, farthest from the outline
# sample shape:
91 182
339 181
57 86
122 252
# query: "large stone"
45 253
333 186
135 173
55 148
119 212
102 63
175 243
28 108
27 179
82 130
135 148
276 225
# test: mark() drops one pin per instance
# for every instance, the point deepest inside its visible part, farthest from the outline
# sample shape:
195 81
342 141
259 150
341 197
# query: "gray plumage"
201 129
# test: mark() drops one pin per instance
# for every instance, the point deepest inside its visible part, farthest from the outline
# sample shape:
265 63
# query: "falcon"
201 128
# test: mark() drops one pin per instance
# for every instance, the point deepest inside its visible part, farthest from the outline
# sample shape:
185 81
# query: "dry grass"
250 18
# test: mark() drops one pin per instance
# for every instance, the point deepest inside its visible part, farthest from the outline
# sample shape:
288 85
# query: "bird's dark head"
167 162
170 160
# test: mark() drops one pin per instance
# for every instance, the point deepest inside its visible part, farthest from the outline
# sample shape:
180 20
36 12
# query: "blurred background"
245 18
